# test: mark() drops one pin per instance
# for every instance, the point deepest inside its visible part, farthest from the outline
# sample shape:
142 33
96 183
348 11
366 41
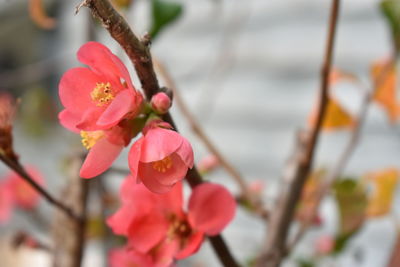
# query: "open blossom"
157 225
160 158
99 102
98 97
23 194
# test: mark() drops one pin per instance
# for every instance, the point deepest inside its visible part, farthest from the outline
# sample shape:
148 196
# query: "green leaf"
351 198
391 11
164 13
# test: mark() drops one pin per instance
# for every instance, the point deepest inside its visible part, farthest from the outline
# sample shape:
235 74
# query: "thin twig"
15 166
344 157
299 168
197 129
139 53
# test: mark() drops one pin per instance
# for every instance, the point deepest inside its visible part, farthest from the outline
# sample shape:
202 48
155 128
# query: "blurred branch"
395 255
68 233
345 156
299 166
197 129
15 166
139 53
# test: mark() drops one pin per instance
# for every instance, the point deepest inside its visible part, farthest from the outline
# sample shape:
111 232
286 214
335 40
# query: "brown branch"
197 129
344 157
68 233
395 255
16 166
299 167
139 53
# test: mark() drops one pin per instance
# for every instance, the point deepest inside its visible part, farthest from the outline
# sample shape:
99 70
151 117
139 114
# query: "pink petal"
185 151
134 156
211 208
173 200
164 255
101 60
75 88
118 108
69 120
192 246
146 231
154 186
160 143
125 257
6 203
89 118
174 174
119 222
99 158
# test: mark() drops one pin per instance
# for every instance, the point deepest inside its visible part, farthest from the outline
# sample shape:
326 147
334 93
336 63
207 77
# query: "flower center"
102 94
163 165
179 228
89 139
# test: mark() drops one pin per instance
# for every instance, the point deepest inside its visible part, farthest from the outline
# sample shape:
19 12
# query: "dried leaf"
384 78
335 118
383 184
38 15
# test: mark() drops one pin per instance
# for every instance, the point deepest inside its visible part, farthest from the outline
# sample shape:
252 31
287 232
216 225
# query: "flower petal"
101 60
123 257
75 88
192 246
146 231
153 185
89 118
69 120
160 143
120 221
175 173
185 151
211 208
134 156
119 107
99 158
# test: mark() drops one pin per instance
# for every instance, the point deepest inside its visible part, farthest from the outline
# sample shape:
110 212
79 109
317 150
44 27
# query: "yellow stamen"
163 165
89 139
102 94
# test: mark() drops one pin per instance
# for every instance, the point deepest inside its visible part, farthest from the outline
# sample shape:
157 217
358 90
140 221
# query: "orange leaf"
383 186
335 117
384 78
38 15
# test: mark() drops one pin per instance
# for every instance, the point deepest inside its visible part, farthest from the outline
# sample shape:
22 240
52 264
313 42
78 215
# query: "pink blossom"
324 244
160 103
6 203
98 97
160 158
22 193
158 226
208 163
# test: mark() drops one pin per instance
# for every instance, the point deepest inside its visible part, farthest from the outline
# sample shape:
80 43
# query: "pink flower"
160 158
98 97
160 103
208 163
324 244
6 203
23 195
127 257
157 224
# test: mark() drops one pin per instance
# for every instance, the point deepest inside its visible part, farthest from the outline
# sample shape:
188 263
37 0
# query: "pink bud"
208 163
160 103
324 244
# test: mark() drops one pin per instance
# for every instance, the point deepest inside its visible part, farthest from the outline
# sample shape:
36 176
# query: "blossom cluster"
103 106
15 192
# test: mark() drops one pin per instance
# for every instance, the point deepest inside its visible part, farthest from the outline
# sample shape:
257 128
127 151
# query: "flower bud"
160 103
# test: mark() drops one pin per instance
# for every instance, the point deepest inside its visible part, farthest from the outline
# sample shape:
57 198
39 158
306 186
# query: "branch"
16 166
299 167
139 53
196 128
345 156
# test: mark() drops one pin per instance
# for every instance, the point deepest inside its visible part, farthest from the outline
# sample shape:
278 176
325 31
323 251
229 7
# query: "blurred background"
248 70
